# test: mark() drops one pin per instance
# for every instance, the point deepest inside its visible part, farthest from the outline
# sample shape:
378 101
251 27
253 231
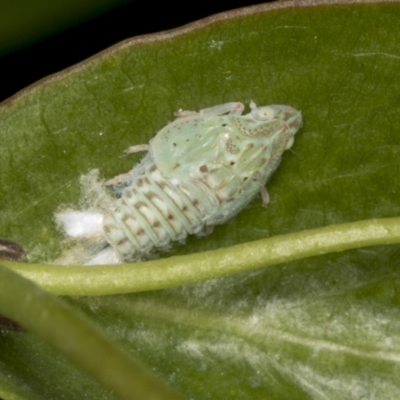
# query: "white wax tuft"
80 223
105 256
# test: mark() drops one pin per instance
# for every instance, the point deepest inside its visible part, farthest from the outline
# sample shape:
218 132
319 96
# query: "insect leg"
185 113
264 196
233 108
120 179
126 179
137 148
208 230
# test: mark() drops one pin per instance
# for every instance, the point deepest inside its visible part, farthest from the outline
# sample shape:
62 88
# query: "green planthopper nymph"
199 171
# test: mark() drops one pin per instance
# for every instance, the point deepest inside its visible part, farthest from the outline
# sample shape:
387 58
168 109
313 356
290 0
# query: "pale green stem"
174 271
68 331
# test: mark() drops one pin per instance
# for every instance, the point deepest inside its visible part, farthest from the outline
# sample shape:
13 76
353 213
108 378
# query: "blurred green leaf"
70 333
324 327
24 21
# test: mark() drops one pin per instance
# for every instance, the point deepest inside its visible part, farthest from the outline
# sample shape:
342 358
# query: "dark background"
25 66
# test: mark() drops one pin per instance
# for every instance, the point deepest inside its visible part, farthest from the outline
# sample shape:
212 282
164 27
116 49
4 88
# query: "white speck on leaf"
214 44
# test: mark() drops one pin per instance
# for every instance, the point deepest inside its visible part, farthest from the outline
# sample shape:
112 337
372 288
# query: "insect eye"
265 113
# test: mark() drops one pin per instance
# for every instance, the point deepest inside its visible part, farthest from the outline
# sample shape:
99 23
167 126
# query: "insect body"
199 171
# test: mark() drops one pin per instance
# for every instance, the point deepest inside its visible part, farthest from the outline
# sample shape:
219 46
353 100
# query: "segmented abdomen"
154 211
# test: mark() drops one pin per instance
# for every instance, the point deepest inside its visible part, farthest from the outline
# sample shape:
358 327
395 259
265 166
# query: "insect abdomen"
154 211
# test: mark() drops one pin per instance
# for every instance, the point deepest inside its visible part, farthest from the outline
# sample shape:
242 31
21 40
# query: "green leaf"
322 327
73 336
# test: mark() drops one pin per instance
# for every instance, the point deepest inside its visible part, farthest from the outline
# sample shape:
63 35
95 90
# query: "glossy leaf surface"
323 327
